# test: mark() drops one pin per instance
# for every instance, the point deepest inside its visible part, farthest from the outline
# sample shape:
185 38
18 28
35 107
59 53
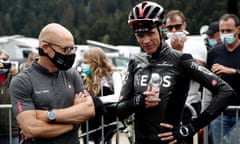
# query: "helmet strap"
161 36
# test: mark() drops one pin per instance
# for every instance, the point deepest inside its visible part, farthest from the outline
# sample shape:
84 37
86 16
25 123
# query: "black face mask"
62 62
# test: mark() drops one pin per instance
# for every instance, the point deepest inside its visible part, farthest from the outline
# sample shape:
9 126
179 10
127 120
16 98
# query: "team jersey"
176 70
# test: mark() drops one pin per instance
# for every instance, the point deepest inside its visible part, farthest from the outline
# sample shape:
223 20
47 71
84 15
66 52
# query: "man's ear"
43 50
238 31
184 25
44 47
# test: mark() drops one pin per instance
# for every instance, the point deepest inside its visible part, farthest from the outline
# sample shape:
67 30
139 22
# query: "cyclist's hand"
176 134
167 135
150 99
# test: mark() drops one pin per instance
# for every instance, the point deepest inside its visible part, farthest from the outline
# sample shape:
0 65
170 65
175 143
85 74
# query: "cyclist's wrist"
184 131
203 120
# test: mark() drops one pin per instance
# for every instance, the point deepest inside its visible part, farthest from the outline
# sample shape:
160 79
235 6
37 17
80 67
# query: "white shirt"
199 51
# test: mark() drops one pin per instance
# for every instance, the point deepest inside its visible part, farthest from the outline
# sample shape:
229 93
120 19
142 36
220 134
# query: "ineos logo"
165 80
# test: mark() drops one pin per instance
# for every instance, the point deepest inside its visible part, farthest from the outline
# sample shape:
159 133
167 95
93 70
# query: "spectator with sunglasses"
176 26
158 119
176 33
48 98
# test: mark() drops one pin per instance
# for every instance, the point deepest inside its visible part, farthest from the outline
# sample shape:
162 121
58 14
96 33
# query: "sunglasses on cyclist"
142 25
176 26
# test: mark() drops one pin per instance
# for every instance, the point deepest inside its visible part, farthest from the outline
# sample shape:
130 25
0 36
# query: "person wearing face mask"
223 60
104 81
176 26
158 116
7 72
213 34
213 40
176 33
48 98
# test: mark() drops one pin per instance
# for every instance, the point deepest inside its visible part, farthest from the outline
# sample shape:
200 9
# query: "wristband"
182 132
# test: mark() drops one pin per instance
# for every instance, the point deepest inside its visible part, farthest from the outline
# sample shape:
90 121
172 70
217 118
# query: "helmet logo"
141 12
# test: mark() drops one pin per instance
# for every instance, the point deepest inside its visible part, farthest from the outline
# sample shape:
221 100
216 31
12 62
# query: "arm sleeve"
78 83
21 91
222 93
126 106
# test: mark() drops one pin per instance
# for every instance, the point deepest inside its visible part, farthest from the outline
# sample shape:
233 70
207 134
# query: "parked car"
120 62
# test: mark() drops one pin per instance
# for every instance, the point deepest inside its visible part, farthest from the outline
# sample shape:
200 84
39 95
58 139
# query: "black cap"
213 28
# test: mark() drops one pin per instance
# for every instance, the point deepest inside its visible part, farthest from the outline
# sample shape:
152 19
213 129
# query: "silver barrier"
118 124
235 130
9 107
120 127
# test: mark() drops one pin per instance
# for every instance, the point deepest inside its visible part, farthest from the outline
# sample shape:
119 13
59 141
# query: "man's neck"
45 62
233 46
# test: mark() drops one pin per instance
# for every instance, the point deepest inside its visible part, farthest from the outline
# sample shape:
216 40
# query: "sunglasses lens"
177 27
141 24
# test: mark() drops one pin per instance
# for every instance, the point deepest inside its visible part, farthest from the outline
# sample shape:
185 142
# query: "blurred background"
101 23
100 20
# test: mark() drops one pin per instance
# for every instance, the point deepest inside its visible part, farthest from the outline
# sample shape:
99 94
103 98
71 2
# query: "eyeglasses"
66 49
176 26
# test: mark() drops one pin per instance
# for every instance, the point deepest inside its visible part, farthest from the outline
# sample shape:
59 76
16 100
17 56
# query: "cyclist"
157 120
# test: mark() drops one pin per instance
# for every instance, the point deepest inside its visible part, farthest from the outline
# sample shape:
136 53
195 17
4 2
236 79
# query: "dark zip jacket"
176 70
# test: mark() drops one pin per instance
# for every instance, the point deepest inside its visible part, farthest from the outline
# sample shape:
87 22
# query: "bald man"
48 98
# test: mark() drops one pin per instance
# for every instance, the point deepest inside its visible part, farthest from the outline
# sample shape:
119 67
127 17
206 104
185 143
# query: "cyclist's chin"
150 50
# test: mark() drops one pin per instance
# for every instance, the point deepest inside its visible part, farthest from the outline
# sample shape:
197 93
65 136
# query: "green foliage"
101 20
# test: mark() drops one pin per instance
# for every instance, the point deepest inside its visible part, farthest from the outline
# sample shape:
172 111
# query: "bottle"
154 84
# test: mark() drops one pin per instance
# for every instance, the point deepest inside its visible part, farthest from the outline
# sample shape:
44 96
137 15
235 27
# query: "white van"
17 46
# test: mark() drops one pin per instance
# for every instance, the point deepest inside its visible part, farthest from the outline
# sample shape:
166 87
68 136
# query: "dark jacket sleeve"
126 105
222 93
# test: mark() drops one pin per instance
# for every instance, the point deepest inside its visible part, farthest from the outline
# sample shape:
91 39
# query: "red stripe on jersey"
19 106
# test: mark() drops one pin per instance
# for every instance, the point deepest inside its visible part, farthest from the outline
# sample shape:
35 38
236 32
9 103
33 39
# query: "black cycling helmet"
145 16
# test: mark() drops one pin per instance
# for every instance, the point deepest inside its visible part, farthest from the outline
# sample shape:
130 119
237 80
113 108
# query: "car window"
121 62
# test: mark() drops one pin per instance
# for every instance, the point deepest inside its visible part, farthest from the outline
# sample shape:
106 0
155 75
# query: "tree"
100 20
